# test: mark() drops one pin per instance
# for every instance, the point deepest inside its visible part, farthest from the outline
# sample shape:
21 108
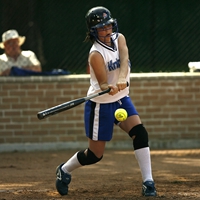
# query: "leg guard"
88 159
141 137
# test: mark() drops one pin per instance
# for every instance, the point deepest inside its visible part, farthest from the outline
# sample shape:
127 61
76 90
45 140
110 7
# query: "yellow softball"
121 114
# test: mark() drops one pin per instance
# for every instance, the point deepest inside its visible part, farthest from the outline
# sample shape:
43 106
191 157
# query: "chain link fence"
162 35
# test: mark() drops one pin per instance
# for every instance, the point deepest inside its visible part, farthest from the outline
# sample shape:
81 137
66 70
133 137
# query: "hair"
89 37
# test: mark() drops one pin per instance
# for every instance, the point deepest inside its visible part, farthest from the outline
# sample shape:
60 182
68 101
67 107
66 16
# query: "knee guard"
88 159
141 137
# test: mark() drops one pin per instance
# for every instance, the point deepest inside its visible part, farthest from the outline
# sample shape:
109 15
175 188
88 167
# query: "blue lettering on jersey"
113 65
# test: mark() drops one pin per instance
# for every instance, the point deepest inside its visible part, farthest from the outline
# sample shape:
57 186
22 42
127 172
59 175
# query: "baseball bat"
68 105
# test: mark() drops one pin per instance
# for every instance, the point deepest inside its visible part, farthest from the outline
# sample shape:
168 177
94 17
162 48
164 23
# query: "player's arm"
33 64
97 63
124 59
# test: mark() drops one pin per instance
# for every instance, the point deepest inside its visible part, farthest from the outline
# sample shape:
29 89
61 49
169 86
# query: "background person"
13 56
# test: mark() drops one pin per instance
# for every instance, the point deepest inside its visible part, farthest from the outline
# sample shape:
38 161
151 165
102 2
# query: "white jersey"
112 65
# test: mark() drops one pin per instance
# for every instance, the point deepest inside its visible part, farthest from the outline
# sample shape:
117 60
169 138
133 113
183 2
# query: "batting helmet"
97 17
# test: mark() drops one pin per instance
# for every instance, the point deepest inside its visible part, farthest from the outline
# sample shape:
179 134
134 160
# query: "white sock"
71 164
144 161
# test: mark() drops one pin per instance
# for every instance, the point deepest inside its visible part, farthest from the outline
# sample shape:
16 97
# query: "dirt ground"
31 175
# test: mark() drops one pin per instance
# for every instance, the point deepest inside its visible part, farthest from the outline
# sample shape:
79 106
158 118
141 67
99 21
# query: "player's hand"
121 84
114 90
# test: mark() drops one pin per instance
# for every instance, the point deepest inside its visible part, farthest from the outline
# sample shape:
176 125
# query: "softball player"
109 68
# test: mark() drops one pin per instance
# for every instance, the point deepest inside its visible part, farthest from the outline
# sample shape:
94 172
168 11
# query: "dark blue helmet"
98 17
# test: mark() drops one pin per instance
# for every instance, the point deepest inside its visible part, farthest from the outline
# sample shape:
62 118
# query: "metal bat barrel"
57 109
66 106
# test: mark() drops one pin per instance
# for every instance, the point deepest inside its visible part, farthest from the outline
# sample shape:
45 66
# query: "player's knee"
141 137
88 159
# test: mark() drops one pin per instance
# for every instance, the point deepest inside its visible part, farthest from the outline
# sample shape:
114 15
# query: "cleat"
148 189
62 181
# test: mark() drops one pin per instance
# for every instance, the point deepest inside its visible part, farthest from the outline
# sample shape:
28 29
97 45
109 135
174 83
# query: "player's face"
12 47
104 34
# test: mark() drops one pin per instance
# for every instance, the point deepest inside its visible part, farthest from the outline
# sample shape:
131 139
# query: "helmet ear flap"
115 26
